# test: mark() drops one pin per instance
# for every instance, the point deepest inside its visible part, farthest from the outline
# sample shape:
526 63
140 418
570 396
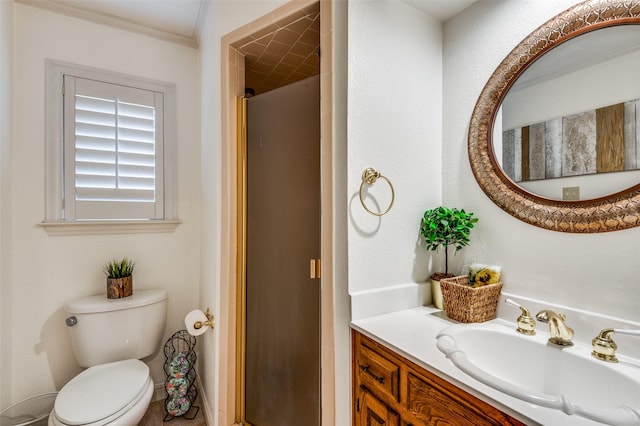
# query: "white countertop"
412 333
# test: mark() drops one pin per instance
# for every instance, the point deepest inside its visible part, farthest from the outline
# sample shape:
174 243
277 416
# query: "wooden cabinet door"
377 373
391 390
372 412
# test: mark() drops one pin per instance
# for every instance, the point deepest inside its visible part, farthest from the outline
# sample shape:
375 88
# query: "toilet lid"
100 391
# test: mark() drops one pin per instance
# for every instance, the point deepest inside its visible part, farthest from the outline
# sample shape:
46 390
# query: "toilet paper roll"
179 365
178 406
176 387
191 318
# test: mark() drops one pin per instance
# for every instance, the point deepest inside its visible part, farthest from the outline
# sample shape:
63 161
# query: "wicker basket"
469 304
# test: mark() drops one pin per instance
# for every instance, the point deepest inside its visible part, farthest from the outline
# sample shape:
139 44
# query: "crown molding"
121 23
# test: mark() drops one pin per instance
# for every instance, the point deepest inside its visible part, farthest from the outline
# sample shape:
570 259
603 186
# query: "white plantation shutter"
113 151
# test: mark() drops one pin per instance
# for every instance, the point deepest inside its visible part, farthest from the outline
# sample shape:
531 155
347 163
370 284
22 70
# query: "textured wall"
594 272
395 125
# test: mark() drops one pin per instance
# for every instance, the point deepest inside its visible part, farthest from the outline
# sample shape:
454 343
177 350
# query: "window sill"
62 228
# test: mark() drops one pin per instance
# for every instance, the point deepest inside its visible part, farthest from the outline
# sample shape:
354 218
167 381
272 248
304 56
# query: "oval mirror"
554 138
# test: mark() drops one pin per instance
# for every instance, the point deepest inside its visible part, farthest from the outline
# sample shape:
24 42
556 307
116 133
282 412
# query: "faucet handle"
604 348
526 323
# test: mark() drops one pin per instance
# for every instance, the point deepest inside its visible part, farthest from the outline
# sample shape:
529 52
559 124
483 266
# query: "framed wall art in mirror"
588 24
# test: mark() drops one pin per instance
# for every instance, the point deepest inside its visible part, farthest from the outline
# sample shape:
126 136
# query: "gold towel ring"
370 176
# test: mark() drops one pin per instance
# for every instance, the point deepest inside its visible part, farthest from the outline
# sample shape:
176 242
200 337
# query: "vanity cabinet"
390 390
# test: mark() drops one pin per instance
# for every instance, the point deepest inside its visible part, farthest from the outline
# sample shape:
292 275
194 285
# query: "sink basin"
529 368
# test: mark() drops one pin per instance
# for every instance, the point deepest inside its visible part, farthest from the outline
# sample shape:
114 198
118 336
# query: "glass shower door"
282 377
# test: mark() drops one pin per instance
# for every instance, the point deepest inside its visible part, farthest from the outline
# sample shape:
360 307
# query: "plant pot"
118 288
436 294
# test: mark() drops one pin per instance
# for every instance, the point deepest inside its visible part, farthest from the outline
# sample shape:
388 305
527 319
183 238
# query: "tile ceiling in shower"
284 52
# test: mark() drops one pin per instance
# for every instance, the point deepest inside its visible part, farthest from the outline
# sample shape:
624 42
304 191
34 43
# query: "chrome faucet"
561 333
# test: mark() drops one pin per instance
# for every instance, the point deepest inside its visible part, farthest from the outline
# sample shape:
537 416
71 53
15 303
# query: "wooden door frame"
230 400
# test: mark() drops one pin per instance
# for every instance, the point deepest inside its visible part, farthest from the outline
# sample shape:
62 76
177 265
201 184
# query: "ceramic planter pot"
436 294
118 288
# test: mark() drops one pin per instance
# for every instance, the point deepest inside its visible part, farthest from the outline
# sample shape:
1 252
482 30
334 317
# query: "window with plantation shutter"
110 147
113 151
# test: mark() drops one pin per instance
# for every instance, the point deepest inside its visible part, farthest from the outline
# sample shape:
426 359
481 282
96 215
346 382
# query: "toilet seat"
103 393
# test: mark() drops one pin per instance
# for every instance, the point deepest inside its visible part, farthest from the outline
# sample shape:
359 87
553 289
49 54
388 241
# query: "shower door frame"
244 321
230 400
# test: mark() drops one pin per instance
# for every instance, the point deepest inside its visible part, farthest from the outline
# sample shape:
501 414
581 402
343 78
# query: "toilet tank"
104 330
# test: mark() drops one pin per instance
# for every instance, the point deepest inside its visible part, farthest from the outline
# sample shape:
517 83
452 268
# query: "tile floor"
155 416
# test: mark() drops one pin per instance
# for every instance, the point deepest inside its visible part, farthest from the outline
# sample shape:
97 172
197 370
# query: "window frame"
54 223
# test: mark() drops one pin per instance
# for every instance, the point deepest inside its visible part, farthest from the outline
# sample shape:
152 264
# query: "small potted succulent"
445 227
119 278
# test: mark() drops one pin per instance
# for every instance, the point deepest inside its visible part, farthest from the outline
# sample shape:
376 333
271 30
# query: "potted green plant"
119 278
445 227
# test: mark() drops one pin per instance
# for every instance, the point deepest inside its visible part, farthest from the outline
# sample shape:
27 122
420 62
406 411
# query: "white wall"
210 163
47 271
224 17
594 272
395 126
6 63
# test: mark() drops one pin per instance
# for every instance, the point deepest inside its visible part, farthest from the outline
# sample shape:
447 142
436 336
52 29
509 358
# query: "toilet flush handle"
71 321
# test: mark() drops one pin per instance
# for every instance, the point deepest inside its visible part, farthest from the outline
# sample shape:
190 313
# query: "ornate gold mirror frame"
613 212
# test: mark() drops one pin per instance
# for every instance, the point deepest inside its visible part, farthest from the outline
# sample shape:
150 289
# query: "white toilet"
110 336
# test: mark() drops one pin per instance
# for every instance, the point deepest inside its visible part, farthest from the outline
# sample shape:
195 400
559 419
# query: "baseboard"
158 392
206 410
